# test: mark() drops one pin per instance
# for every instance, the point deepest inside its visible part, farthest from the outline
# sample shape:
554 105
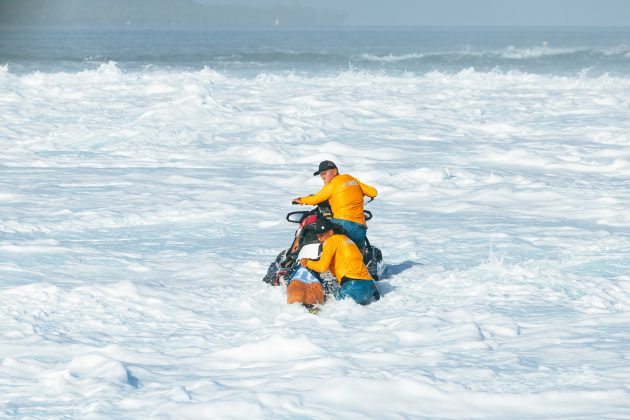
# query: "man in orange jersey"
345 196
345 261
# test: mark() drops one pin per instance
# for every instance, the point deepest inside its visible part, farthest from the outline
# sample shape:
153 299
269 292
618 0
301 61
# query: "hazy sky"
321 12
481 12
489 12
470 12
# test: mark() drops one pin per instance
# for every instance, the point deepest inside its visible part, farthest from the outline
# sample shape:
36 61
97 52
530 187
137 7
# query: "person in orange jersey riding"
345 261
345 196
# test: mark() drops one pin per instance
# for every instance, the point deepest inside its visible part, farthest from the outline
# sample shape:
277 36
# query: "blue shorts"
355 231
361 291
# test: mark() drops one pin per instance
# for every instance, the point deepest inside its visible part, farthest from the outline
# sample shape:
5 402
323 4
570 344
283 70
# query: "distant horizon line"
132 26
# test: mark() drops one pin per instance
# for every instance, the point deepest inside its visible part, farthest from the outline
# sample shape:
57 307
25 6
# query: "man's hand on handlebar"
296 201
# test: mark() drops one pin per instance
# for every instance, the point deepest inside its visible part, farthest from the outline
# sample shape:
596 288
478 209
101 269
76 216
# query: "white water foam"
537 52
140 211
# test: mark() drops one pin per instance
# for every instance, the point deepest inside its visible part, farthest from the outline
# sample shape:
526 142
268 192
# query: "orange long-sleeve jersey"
342 257
345 196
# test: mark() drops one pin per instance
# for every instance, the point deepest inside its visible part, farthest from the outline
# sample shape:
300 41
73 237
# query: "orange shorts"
307 293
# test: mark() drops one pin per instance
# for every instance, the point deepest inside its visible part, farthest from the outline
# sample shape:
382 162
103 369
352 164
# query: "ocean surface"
246 52
145 176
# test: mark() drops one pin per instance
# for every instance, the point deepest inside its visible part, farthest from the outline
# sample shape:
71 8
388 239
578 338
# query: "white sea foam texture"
140 211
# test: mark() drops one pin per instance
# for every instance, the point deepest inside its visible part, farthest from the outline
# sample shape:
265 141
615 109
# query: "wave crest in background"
246 53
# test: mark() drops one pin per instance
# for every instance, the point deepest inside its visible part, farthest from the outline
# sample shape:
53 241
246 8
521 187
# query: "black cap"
322 225
324 166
